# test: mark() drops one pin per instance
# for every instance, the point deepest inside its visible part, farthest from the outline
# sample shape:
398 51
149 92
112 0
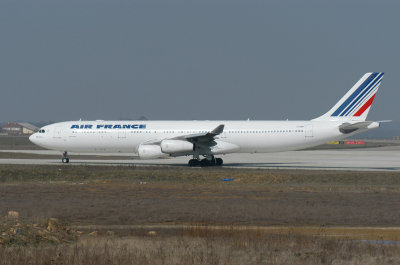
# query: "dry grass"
308 207
126 195
13 232
205 246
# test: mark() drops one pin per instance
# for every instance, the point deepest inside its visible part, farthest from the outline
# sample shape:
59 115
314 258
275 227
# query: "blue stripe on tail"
355 94
362 96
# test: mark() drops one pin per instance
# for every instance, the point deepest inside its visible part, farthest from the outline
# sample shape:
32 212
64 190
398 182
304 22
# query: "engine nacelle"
176 146
150 152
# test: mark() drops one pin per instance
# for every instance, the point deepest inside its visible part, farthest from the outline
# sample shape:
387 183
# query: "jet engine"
150 151
176 146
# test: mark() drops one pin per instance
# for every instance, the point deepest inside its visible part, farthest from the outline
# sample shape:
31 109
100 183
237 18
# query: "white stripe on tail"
355 105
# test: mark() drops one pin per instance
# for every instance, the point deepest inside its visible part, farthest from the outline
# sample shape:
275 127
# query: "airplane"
207 139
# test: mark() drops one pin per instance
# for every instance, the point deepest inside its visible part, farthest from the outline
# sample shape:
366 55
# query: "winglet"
218 130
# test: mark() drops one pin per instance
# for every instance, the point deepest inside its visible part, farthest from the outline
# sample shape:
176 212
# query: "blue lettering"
74 126
109 126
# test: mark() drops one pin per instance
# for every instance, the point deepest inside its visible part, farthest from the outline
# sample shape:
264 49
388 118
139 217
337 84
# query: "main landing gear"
65 158
209 161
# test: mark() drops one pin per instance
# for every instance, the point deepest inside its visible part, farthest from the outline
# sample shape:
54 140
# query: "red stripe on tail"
366 106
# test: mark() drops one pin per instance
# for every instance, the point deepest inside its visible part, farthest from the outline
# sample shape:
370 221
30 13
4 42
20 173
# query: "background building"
19 128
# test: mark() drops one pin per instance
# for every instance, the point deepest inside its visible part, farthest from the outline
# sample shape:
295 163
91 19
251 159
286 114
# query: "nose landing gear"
65 158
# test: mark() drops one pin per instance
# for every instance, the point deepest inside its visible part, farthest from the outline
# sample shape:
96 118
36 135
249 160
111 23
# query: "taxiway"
365 159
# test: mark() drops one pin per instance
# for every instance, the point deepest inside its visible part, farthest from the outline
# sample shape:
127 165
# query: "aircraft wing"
202 137
194 138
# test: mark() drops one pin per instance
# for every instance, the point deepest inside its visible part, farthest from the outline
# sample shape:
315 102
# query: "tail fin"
355 105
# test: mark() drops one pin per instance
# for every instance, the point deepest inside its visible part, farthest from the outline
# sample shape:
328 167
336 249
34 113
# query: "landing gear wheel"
194 163
204 163
212 162
65 158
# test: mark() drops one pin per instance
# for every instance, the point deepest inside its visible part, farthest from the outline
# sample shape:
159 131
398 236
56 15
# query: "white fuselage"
154 139
127 136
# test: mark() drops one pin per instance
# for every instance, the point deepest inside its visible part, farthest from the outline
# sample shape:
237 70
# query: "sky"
193 60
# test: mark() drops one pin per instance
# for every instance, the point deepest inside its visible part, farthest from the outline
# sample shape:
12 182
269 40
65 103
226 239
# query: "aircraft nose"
32 138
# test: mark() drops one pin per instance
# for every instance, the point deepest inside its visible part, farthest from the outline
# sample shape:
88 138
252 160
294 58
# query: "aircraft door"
309 131
57 132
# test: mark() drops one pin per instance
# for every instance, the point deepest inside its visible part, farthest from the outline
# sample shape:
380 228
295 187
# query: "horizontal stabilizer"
366 125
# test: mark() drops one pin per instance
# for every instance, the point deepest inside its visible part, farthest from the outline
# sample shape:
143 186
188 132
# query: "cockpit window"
41 131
